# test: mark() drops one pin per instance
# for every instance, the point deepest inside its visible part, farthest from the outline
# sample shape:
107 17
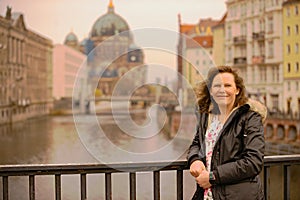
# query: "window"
229 55
229 32
287 11
296 10
263 75
243 9
274 74
275 101
243 29
297 48
288 30
288 86
288 49
297 85
297 66
270 24
296 29
271 49
262 25
289 67
253 75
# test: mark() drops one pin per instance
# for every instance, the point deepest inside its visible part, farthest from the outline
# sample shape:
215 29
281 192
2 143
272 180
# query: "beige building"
253 45
25 70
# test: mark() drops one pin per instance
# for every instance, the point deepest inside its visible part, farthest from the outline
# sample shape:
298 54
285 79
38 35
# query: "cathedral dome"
71 38
109 24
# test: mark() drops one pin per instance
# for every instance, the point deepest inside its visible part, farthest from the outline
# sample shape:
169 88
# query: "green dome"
71 38
109 24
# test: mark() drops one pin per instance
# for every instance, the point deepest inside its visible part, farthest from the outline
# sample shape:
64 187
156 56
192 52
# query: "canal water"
55 140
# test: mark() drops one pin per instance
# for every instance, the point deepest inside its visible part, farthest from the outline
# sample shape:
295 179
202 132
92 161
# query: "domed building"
108 25
114 52
71 40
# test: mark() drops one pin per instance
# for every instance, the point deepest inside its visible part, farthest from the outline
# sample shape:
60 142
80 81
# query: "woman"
227 152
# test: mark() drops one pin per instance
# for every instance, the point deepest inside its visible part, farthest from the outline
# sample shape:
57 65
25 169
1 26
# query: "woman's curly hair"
203 95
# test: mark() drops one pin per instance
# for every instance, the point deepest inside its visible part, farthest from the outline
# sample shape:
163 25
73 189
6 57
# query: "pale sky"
56 18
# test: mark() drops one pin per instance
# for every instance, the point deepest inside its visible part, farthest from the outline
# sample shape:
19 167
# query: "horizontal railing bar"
52 169
288 159
78 168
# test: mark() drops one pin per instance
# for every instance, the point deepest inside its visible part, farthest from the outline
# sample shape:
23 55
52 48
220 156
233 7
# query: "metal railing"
57 171
286 161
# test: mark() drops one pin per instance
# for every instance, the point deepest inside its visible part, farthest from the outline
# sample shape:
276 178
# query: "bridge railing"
31 171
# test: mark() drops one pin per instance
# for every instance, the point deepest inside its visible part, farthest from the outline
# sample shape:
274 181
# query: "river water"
55 140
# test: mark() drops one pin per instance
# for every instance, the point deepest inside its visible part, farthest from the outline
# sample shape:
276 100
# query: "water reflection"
55 140
43 140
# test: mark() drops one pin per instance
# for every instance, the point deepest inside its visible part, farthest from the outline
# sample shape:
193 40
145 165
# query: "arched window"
280 132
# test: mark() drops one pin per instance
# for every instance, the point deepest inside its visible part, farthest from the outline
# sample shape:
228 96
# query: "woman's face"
224 90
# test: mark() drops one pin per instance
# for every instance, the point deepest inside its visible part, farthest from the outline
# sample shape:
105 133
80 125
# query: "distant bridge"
166 100
124 98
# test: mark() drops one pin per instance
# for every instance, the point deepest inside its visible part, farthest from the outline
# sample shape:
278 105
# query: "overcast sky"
56 18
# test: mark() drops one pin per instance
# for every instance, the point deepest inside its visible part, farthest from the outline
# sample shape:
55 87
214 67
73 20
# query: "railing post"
267 182
31 187
286 182
83 186
5 187
57 186
108 190
156 185
132 183
179 184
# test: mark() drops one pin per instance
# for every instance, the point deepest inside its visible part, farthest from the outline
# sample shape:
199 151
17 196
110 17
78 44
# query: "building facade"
195 50
66 68
291 56
25 70
253 45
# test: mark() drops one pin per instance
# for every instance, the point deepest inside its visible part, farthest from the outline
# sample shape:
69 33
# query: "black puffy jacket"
237 157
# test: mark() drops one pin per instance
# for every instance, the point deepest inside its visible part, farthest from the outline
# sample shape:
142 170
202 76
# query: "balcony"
82 170
240 40
240 61
258 59
259 36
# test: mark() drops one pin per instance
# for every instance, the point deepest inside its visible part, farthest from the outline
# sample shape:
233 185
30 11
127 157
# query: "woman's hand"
203 179
196 168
